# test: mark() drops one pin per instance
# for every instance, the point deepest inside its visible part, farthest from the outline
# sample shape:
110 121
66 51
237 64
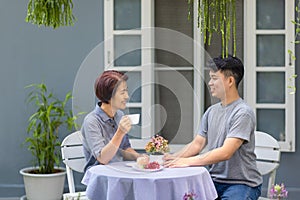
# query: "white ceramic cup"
134 118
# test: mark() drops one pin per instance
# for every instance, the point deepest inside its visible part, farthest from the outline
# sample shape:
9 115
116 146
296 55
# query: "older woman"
105 128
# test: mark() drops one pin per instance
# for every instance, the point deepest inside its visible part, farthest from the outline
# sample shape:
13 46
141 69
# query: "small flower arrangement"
278 192
189 196
157 145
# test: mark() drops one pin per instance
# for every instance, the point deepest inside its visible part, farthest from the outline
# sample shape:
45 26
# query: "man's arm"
191 149
214 156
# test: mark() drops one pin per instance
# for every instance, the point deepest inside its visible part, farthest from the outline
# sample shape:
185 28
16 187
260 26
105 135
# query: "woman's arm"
110 150
130 154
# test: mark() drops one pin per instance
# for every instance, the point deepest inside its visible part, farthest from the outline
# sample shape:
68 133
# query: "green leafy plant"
52 13
216 16
43 126
78 197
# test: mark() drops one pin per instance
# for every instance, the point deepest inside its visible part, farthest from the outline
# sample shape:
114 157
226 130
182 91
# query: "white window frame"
250 33
147 40
147 37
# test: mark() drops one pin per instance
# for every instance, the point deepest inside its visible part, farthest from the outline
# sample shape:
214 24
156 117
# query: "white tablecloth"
117 181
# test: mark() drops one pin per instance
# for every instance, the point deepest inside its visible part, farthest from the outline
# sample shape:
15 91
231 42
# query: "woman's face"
120 98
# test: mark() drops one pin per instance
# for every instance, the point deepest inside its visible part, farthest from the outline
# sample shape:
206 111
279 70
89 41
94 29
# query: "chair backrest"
267 152
73 156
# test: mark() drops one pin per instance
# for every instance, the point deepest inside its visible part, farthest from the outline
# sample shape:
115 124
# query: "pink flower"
157 145
189 196
278 192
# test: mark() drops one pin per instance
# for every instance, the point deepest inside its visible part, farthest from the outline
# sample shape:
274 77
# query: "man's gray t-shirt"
235 120
97 131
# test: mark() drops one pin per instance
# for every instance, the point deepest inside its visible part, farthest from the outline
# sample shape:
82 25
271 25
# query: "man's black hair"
229 66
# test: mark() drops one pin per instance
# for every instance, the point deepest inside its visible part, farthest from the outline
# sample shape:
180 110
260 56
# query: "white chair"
73 157
267 152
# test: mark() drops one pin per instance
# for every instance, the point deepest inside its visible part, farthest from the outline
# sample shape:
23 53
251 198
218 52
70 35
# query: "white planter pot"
43 186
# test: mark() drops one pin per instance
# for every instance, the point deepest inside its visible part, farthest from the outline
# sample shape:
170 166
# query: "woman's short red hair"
106 84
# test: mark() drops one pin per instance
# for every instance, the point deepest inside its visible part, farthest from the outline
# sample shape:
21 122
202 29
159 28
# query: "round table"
118 181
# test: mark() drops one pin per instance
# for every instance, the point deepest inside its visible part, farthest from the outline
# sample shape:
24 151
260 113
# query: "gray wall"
288 171
30 55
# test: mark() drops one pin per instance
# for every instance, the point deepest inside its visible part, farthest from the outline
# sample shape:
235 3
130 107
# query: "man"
227 130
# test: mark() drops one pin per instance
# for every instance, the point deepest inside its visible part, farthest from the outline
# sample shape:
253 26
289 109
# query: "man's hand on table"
172 161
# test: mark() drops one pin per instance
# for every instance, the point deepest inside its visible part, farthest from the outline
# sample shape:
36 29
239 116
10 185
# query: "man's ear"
231 81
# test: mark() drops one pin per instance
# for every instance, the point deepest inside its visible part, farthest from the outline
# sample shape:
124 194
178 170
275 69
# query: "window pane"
272 121
168 15
174 95
135 131
127 14
127 50
134 87
270 87
270 14
172 59
270 50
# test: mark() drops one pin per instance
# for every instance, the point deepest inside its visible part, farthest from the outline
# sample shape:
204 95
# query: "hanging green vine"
296 22
216 16
52 13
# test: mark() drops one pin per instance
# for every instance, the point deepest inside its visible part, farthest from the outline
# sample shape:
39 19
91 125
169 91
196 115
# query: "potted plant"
156 148
278 192
43 128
